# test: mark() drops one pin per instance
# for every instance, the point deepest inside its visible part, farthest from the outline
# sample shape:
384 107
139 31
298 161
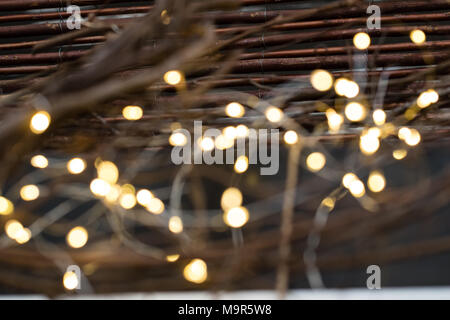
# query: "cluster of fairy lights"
106 188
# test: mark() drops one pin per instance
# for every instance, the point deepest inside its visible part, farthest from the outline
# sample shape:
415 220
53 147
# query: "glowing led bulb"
316 161
274 114
70 280
242 131
144 197
235 110
13 229
357 189
76 166
241 164
100 187
196 271
427 98
321 80
291 137
354 111
418 36
347 88
77 237
23 236
231 198
413 138
108 172
177 139
222 142
361 40
29 192
173 77
379 117
329 203
172 257
39 161
348 178
335 120
229 132
236 217
155 206
6 206
113 193
404 132
376 181
40 122
206 144
399 154
127 201
175 225
340 86
132 113
369 144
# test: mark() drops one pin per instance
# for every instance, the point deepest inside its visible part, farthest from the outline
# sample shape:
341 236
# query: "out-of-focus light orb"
369 143
329 203
76 165
127 201
113 194
108 171
196 271
222 142
241 164
361 40
173 77
236 217
413 138
418 36
340 86
40 121
315 161
70 280
291 137
144 197
235 110
23 236
206 143
231 198
399 154
274 114
375 131
230 132
100 187
404 132
175 224
77 237
354 111
357 188
427 98
132 113
376 181
348 178
351 89
39 161
321 80
379 117
172 257
177 139
335 120
242 131
155 206
6 206
13 228
29 192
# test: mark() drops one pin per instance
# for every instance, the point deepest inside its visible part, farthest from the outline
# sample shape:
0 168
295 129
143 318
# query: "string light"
76 166
399 154
413 138
70 280
234 110
108 172
222 142
236 217
175 225
165 18
291 137
347 88
172 257
241 164
354 111
348 178
77 237
206 143
127 201
321 80
113 193
369 143
335 120
39 161
379 117
40 122
418 36
231 198
315 161
6 206
242 131
357 189
144 197
177 139
427 98
155 206
376 181
100 187
196 271
132 113
361 40
173 77
274 114
13 228
23 236
329 203
29 192
229 132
